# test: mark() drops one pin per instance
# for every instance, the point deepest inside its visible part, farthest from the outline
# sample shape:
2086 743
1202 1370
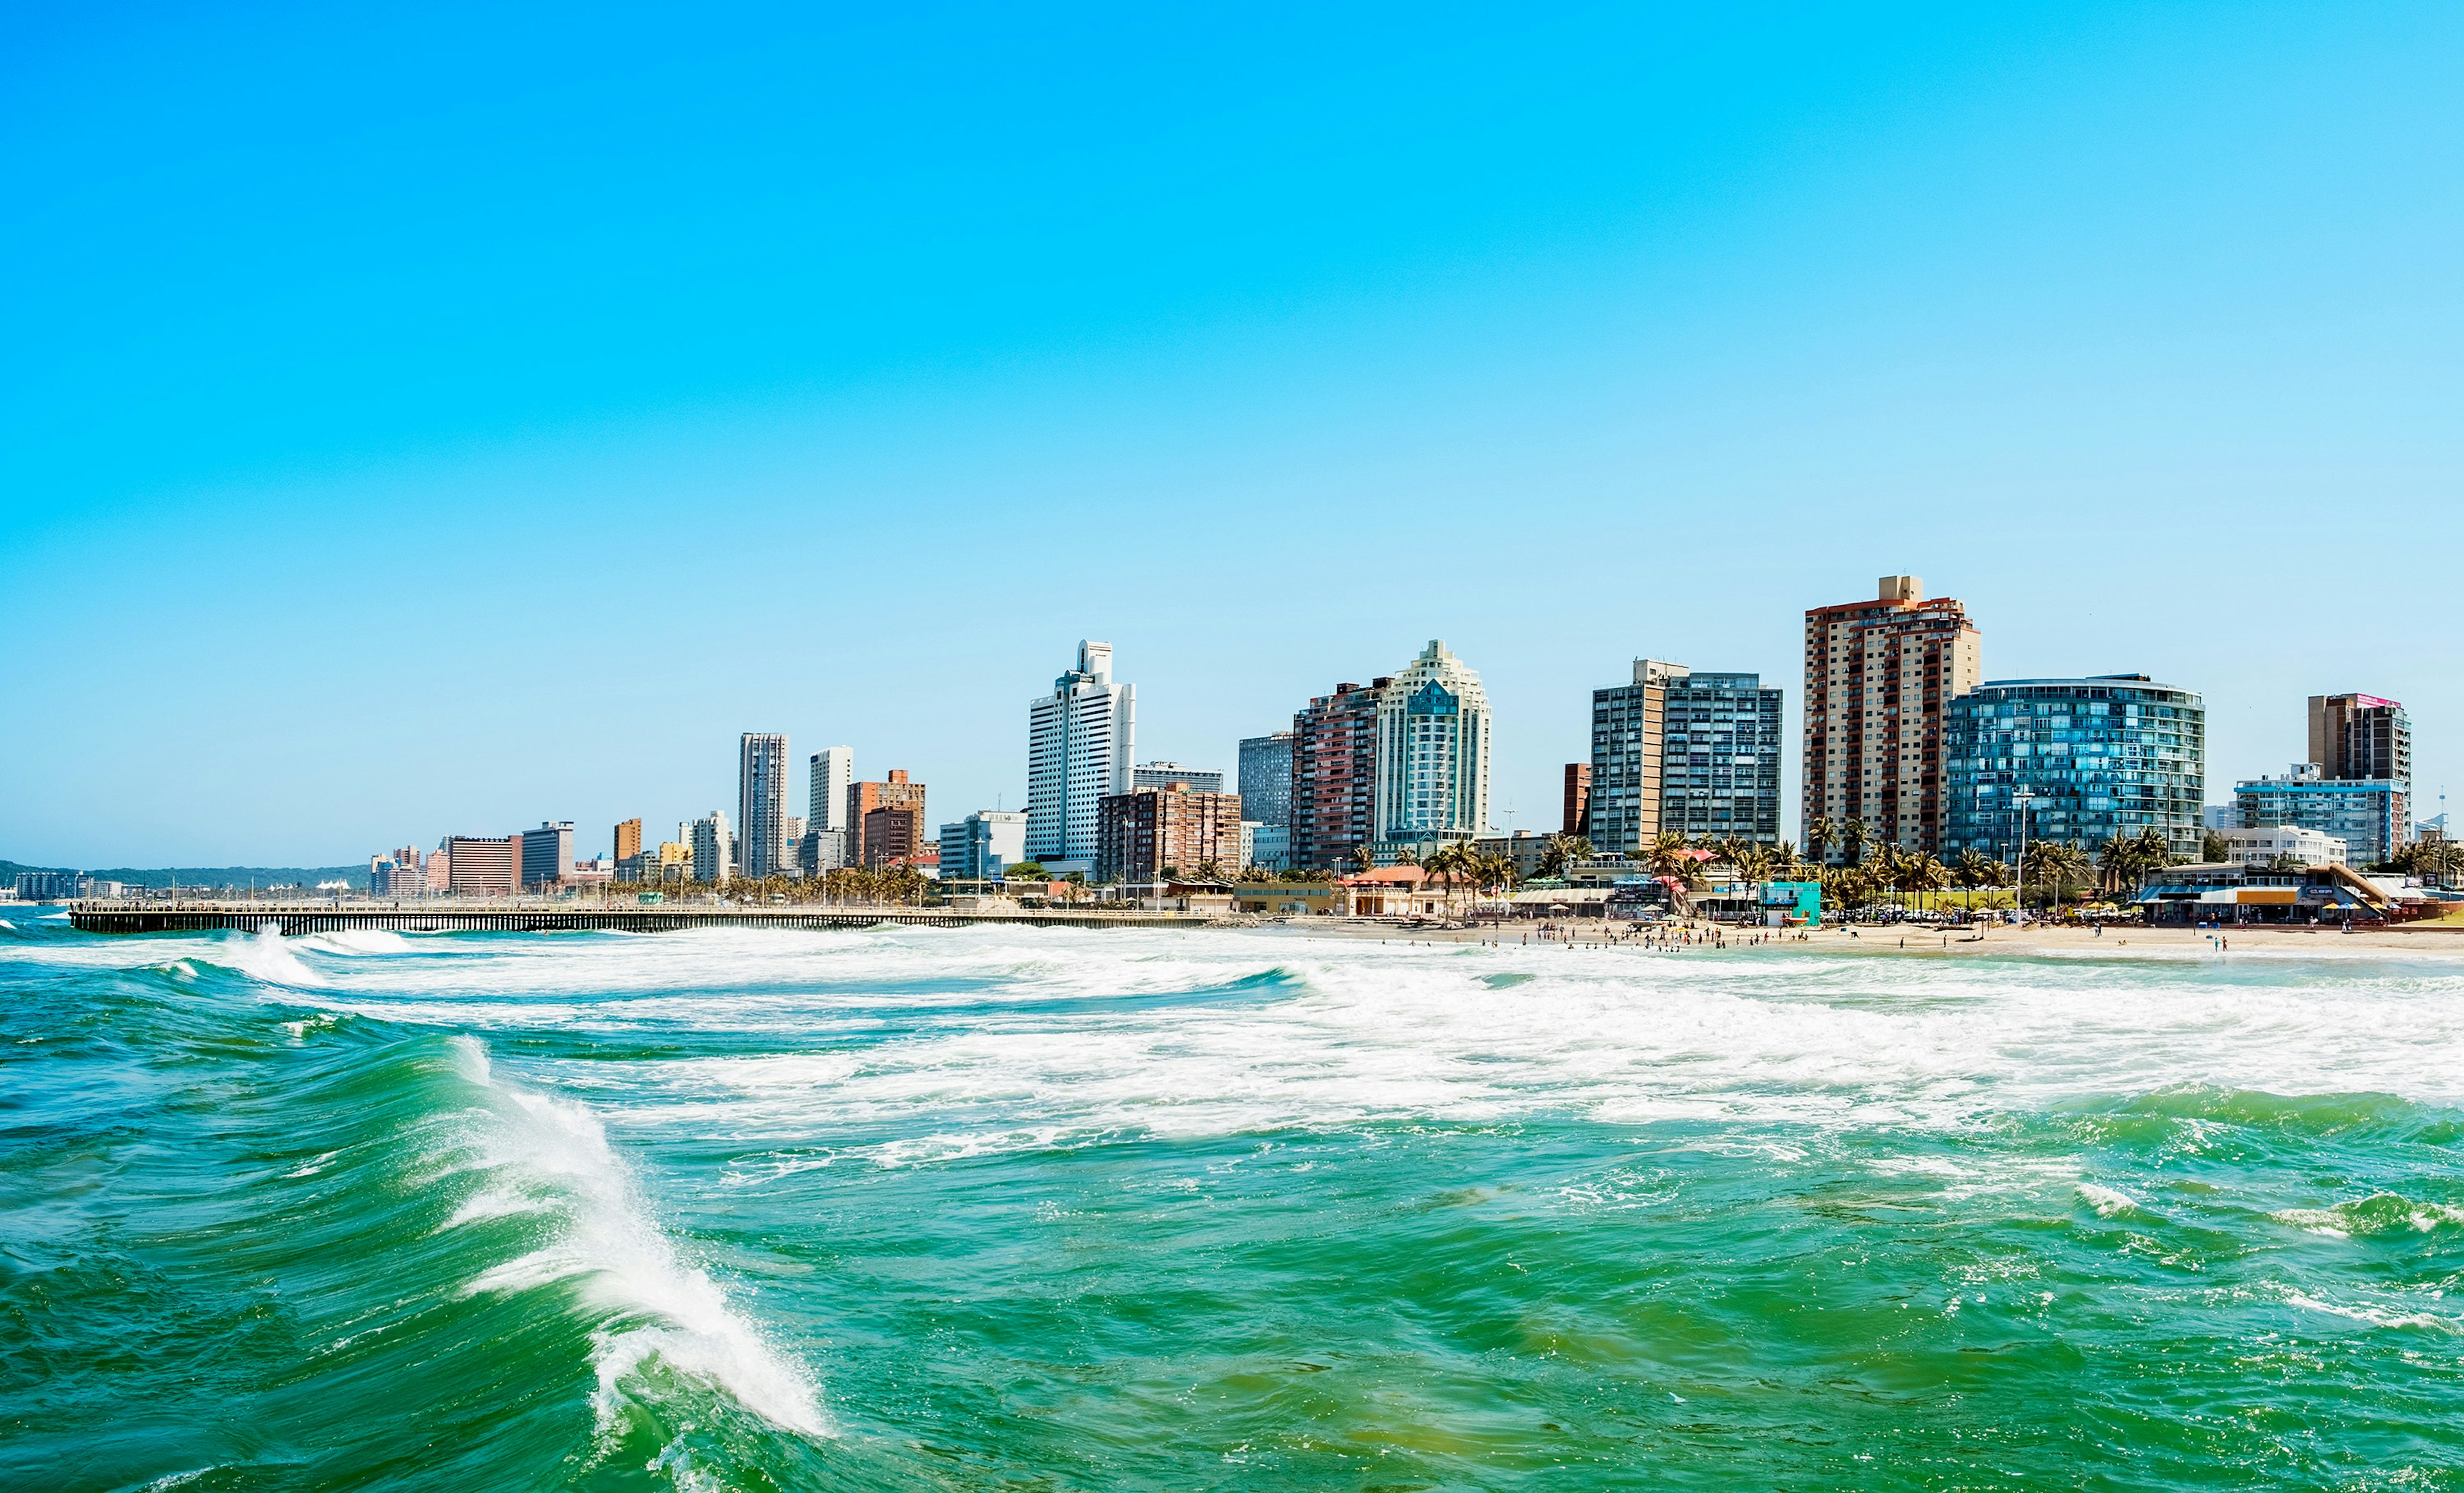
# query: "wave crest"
670 1317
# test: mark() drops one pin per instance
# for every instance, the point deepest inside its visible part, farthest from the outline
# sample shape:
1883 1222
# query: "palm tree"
1820 836
1563 851
1448 860
1922 873
1973 870
1672 854
2058 865
2114 861
1364 857
1849 886
1853 838
1785 862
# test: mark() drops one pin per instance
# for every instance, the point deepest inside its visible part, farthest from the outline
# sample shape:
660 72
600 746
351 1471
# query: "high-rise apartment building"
1578 820
2369 815
1432 766
761 805
483 865
2081 760
1628 758
628 838
982 845
1164 774
1266 779
825 801
398 875
823 850
1266 845
547 854
1878 675
1081 740
893 835
1148 830
1720 765
1335 775
674 860
2362 736
1678 750
714 848
863 798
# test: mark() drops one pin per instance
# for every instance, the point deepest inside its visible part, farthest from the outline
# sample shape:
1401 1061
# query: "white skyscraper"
826 806
762 806
1081 741
1432 752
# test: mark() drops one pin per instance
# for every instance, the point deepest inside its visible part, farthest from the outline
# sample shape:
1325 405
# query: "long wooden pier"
521 916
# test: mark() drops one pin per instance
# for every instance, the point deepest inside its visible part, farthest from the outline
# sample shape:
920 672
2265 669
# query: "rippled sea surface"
1026 1208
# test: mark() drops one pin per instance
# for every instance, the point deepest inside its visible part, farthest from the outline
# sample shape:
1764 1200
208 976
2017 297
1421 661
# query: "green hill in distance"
208 876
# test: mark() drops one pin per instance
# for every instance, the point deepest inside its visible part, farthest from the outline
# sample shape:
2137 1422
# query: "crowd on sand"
1702 935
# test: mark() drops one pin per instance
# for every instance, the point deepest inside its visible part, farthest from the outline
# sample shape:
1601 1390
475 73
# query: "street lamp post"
2020 799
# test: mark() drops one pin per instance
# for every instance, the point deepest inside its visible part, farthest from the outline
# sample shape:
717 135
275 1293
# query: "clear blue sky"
438 421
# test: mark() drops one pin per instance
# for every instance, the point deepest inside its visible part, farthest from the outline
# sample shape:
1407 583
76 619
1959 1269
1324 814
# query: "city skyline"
404 417
2299 726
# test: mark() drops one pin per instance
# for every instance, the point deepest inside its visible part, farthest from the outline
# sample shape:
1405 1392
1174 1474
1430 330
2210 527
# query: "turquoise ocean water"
1008 1208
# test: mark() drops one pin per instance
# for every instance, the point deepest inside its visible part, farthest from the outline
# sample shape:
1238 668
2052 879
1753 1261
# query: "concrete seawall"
413 917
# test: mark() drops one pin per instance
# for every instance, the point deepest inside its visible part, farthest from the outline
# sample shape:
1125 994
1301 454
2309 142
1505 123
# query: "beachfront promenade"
529 915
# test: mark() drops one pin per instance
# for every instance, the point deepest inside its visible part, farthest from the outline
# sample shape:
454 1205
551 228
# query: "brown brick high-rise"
893 836
1876 674
865 797
1147 829
1335 775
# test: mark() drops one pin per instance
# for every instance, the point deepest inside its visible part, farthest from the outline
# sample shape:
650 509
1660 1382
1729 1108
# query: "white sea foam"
1025 1039
2364 1312
267 956
1006 1038
2108 1202
2394 1213
666 1312
356 941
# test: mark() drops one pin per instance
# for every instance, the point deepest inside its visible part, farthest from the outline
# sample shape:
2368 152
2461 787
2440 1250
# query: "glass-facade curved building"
2112 755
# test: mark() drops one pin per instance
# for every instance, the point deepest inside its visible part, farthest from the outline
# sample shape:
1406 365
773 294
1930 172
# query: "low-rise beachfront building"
1525 849
1397 891
2222 892
2275 843
1774 905
1286 898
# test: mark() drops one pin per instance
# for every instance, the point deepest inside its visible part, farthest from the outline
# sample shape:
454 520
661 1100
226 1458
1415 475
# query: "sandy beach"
1901 937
